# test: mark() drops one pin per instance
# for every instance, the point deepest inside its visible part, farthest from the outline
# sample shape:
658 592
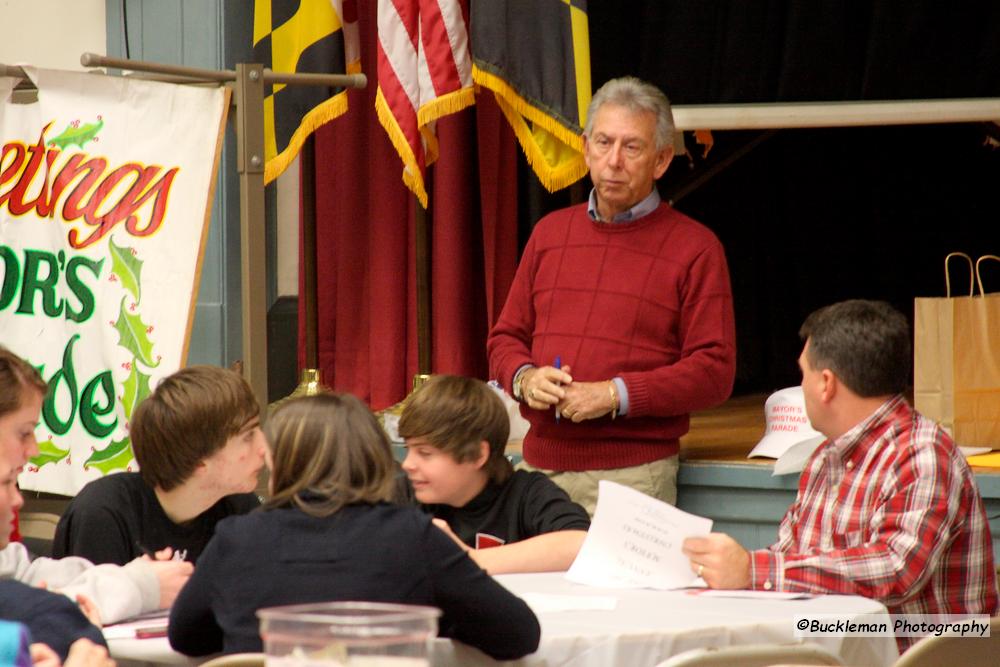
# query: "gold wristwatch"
518 378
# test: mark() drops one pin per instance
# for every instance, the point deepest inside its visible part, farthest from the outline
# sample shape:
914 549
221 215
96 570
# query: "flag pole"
422 247
310 289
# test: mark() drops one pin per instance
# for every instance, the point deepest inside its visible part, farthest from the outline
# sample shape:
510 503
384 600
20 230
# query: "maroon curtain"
365 243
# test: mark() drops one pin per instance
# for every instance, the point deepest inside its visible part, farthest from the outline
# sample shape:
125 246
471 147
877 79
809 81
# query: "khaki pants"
657 479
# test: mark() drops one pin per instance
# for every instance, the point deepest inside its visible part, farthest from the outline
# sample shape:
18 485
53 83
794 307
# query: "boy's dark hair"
17 376
189 417
455 414
865 343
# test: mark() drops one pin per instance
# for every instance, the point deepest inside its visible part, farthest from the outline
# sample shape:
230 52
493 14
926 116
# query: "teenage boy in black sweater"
456 431
199 446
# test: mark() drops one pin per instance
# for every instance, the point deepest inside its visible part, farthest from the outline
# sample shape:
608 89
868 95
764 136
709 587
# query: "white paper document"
635 541
752 595
144 626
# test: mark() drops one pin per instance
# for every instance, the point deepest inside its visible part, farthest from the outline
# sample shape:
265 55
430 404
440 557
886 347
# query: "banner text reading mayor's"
104 185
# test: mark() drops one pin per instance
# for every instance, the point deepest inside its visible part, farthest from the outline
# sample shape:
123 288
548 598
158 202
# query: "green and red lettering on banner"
105 185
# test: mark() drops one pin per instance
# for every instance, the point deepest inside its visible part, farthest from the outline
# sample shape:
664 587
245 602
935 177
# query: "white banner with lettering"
105 184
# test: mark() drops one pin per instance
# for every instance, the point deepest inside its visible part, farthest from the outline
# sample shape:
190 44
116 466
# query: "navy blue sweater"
378 553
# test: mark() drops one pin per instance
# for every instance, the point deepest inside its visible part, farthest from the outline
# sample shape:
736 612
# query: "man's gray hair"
637 96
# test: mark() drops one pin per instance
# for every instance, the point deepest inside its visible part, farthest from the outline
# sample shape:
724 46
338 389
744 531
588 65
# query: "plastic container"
349 634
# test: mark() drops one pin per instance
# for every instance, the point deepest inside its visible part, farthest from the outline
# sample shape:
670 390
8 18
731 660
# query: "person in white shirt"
113 592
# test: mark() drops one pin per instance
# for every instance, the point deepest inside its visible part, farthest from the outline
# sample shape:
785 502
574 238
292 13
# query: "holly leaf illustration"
80 136
132 336
115 456
48 452
136 387
127 267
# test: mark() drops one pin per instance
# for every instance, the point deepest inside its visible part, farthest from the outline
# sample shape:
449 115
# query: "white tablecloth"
644 628
144 652
647 627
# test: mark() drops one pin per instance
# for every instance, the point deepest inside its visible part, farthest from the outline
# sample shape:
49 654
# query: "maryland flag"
424 73
316 36
535 57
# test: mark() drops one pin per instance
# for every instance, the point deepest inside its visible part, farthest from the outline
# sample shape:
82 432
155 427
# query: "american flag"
424 73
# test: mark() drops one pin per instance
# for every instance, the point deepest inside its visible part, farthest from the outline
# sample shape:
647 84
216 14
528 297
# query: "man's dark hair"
865 343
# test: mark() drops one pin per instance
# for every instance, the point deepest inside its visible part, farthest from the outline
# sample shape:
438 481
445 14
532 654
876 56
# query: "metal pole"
422 252
249 97
223 75
307 176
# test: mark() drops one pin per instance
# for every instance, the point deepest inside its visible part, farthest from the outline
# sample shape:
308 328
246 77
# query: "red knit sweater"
648 301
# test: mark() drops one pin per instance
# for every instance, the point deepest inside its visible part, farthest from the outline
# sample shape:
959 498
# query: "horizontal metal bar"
96 60
225 75
310 79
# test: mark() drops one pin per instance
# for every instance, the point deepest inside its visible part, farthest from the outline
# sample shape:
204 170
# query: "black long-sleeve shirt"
117 518
379 553
527 505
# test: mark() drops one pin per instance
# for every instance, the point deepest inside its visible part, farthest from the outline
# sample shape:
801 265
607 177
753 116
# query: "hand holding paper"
720 559
635 542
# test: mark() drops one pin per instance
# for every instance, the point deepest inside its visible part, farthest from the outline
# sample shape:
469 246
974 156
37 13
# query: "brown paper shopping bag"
956 360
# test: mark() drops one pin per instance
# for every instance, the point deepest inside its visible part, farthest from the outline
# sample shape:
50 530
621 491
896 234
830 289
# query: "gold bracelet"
614 399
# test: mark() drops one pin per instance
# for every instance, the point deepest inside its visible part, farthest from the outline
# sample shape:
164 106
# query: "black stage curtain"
809 217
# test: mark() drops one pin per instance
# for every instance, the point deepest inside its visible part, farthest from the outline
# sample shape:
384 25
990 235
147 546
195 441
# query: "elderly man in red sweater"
619 322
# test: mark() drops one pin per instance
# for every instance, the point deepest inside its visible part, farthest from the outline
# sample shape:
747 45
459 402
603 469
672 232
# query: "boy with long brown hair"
199 446
456 431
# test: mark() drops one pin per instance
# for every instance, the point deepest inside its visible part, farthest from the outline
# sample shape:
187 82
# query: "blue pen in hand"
558 365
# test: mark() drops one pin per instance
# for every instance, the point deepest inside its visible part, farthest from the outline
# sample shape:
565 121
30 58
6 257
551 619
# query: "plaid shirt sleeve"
767 565
884 531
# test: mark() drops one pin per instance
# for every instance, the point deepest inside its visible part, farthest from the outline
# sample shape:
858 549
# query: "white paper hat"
787 425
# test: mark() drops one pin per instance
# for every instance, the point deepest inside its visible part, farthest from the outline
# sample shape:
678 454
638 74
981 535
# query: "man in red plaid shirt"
887 507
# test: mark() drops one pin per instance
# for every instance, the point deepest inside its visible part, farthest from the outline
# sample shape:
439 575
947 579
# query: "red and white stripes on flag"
424 73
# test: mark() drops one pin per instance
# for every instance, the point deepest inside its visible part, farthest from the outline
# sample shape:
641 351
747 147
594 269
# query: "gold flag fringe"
517 109
317 116
412 176
442 106
448 103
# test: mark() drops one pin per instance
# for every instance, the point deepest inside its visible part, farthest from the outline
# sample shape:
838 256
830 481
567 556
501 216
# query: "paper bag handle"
979 279
947 277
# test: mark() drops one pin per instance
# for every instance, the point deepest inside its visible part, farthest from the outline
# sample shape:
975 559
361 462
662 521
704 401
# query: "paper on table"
635 541
751 595
144 626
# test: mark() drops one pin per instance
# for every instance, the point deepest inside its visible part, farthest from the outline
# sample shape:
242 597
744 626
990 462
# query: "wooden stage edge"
726 434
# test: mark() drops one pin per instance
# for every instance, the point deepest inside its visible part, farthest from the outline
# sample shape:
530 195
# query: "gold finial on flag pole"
310 384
